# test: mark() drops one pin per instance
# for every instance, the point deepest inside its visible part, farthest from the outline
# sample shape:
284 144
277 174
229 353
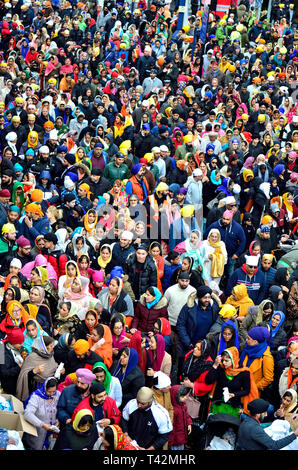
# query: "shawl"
89 227
160 353
18 200
61 234
9 308
81 251
288 412
41 391
42 263
105 351
27 344
33 360
133 360
253 352
235 370
243 300
103 264
218 259
156 300
108 377
288 206
192 368
222 343
135 343
80 414
84 292
120 440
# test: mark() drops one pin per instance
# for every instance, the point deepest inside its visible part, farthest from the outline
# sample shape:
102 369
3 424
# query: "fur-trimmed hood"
193 298
160 304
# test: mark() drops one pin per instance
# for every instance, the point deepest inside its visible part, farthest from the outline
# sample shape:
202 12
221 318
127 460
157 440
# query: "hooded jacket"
181 419
254 284
145 317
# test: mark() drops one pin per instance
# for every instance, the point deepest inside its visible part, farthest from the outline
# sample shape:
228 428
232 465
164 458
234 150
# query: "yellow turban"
227 311
188 139
267 256
162 187
266 219
187 211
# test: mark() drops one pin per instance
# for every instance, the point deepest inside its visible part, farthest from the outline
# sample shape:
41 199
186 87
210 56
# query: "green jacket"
6 247
113 173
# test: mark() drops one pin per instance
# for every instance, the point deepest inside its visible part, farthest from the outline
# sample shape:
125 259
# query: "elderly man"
146 421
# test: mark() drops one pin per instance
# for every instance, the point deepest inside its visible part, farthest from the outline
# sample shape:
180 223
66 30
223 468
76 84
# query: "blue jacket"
268 277
233 236
193 319
68 401
255 285
40 227
169 270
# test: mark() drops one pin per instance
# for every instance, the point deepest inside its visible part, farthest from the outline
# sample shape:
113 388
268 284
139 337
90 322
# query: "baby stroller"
221 431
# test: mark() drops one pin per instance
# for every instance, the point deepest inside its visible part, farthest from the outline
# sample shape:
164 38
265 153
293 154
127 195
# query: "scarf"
193 369
218 259
100 261
288 206
233 371
253 352
291 381
108 377
80 414
275 330
156 300
89 227
222 343
133 360
135 343
160 353
120 440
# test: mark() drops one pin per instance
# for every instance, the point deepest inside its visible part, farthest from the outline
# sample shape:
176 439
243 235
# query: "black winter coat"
143 277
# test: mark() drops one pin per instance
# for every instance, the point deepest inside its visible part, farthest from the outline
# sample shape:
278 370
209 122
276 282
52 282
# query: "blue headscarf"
133 361
156 300
222 344
41 391
224 187
282 319
213 178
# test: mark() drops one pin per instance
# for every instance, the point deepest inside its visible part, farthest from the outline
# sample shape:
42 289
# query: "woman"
126 369
227 338
100 342
10 293
85 327
257 357
38 366
288 408
80 434
119 337
113 438
12 360
240 300
159 358
151 306
192 247
196 365
196 279
41 262
39 277
16 317
278 336
281 279
61 350
38 309
289 377
32 331
255 315
78 294
105 259
111 384
156 251
290 208
115 300
66 320
71 271
90 222
215 257
239 382
41 411
138 342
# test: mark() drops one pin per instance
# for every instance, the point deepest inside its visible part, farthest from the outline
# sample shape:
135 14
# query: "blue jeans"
177 447
230 266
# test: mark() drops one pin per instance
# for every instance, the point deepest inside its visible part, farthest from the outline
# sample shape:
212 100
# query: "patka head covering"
161 380
23 241
252 260
81 346
8 228
267 256
227 311
145 395
187 211
266 219
126 235
136 168
34 209
96 388
228 214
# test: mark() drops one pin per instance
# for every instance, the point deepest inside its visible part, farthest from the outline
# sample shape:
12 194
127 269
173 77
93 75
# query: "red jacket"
110 409
200 387
181 420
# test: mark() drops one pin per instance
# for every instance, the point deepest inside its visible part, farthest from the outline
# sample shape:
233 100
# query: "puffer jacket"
181 420
147 278
145 317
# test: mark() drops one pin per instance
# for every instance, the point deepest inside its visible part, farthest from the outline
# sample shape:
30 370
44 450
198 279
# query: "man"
141 270
35 223
98 157
24 250
195 188
98 184
81 357
103 408
57 258
151 83
73 394
123 248
250 275
195 319
232 234
137 184
4 199
144 141
225 203
252 436
8 244
116 170
172 262
83 193
146 421
268 271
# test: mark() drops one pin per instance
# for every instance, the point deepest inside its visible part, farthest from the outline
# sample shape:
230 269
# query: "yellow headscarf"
288 206
247 173
43 274
243 300
86 188
80 414
32 134
89 227
218 259
227 311
100 261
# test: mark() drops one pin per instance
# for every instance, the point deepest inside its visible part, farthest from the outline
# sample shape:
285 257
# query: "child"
182 422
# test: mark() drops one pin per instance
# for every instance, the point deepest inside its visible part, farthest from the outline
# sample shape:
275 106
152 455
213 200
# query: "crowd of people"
148 222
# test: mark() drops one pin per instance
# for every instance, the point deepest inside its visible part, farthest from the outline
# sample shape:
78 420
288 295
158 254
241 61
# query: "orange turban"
36 195
81 346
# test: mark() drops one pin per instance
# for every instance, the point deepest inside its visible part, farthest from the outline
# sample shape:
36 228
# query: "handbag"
193 406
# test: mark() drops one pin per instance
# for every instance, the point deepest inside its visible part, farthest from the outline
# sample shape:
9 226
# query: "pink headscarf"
249 163
228 214
40 260
160 353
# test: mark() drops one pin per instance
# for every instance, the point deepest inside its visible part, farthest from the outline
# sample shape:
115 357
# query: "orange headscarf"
7 279
235 370
9 309
291 380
